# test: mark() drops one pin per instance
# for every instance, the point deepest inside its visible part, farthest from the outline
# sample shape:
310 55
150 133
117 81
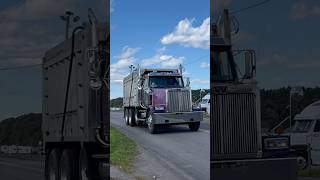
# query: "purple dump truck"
159 97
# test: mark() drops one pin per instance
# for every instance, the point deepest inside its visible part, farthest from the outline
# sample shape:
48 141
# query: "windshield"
223 68
302 126
165 82
204 101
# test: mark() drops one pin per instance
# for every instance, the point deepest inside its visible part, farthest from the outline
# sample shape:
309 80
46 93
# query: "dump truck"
237 147
75 104
159 97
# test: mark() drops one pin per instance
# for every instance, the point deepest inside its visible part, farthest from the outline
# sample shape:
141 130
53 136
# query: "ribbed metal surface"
234 126
178 100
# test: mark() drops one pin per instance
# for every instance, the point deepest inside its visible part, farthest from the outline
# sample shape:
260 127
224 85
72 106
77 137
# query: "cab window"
317 126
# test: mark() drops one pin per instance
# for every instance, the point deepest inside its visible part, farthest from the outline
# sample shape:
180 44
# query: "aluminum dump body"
84 106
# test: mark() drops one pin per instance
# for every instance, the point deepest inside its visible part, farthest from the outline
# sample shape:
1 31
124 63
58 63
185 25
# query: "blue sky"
160 34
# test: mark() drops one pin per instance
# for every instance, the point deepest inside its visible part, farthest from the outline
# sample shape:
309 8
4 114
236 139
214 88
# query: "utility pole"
66 18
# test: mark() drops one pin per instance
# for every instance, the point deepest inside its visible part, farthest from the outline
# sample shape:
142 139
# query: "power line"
250 7
19 67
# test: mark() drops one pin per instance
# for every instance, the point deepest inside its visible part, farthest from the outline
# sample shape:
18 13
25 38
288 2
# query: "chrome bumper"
177 118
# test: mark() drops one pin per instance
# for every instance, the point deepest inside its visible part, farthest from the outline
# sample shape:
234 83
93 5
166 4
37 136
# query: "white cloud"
188 36
300 10
205 65
163 60
120 68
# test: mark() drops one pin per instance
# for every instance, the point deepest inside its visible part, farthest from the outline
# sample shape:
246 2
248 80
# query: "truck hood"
159 96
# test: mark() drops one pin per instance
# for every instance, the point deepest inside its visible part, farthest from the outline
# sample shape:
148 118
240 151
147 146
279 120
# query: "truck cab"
159 97
238 148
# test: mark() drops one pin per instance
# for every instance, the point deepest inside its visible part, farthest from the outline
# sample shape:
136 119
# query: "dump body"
83 112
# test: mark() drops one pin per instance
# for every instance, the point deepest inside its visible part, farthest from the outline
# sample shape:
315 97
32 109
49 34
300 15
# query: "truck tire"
132 117
126 116
88 168
194 126
52 165
69 165
153 129
302 162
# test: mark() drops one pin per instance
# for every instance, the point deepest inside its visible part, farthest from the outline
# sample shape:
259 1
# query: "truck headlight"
159 108
276 143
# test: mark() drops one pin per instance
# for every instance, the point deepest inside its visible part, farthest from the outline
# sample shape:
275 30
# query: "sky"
160 34
27 29
285 36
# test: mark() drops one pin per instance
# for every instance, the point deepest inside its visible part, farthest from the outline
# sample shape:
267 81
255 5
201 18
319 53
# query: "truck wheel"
153 129
132 119
69 165
194 126
88 170
126 116
301 162
52 165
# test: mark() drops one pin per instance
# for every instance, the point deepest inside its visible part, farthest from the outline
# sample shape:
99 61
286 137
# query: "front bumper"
177 118
253 169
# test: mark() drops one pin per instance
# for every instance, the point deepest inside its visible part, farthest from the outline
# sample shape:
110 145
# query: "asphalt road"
185 153
16 169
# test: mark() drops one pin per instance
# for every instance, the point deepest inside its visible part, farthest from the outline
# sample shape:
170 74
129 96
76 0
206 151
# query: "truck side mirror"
249 65
187 82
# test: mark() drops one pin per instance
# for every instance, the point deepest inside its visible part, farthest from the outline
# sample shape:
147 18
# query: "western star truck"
238 150
75 109
158 97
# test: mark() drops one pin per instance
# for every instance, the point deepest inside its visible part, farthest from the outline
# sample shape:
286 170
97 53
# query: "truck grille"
178 100
234 126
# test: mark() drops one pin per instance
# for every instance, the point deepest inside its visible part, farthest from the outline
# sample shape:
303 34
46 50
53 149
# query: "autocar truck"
237 146
75 104
159 97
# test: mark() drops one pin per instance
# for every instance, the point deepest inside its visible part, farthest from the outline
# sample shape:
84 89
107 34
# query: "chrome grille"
234 126
178 100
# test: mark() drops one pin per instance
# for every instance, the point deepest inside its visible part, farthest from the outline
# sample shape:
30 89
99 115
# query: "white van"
205 103
306 131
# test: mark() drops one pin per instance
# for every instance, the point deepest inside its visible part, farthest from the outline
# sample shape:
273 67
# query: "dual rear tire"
69 164
130 117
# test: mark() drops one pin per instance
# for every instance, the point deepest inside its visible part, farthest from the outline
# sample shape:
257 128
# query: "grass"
313 172
122 150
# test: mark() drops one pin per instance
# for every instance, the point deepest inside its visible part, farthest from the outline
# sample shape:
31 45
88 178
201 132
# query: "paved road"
184 152
15 169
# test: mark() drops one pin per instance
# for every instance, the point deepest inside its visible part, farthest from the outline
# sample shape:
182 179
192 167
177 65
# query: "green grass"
314 172
122 150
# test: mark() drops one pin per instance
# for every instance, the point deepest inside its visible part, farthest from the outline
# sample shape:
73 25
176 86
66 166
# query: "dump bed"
84 112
